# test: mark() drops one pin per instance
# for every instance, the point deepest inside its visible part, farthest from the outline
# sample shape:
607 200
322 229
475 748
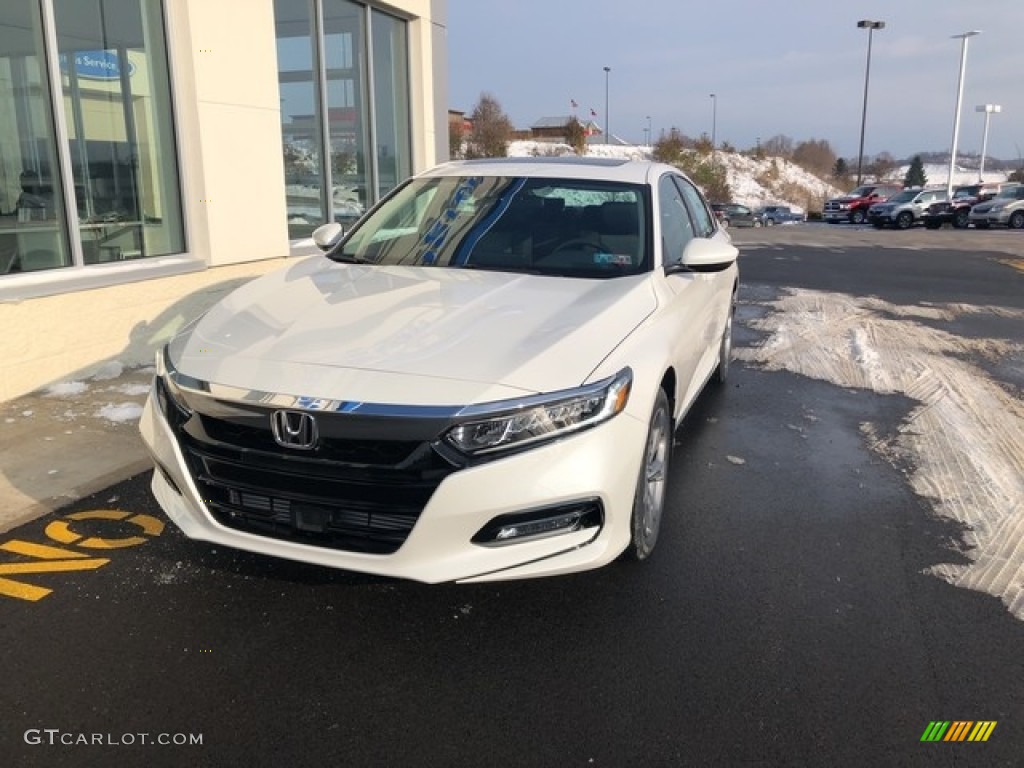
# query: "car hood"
428 335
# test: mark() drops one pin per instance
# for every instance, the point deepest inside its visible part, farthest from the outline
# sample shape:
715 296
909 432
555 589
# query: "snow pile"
771 180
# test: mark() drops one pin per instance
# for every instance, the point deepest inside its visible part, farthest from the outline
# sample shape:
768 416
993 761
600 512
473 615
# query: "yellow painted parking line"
60 530
40 551
1017 264
50 559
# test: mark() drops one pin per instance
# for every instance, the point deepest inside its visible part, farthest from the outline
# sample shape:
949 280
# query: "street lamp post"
989 110
964 37
650 135
870 26
714 120
607 130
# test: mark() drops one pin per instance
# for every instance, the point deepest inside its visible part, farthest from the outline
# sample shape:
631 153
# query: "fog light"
542 523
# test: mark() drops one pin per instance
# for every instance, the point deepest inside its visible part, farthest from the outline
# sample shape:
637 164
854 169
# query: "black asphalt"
784 619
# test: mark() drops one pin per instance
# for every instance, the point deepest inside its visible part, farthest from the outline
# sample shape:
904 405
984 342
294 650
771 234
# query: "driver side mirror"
326 236
708 255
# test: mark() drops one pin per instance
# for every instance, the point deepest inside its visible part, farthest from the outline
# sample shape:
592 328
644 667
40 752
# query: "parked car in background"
958 210
905 209
1005 209
779 214
853 207
736 215
480 380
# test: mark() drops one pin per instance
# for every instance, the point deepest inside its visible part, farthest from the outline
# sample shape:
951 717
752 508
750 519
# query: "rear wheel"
857 217
961 219
1016 220
769 222
649 500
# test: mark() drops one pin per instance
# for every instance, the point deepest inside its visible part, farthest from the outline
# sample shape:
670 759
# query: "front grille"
349 493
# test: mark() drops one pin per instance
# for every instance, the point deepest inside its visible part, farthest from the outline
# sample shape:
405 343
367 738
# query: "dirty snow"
66 389
965 439
120 412
109 370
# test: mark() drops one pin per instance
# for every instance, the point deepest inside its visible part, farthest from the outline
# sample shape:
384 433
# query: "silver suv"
1006 209
904 209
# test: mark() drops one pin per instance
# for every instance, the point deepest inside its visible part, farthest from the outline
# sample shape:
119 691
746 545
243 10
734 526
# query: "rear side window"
703 221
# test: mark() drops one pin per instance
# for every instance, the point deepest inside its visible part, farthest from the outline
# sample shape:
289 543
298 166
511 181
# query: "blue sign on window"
97 65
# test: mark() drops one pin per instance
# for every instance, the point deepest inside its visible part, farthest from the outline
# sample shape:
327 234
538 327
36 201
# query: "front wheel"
857 217
1016 220
905 220
649 500
769 222
961 219
725 348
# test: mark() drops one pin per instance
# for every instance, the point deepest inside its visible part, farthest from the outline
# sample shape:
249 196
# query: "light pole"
989 110
870 26
714 120
607 130
650 136
959 102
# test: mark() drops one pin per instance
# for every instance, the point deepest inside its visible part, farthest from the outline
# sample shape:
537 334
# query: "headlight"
525 422
997 207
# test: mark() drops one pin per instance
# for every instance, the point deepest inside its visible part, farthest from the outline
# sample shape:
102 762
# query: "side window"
703 221
676 228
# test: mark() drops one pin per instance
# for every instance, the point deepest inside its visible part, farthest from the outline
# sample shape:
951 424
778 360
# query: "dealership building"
155 154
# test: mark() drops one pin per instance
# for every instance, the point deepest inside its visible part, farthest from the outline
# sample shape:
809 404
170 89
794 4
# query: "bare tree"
576 135
816 156
491 129
778 146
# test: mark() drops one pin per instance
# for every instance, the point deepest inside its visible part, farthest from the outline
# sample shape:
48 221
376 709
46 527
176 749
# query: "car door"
689 310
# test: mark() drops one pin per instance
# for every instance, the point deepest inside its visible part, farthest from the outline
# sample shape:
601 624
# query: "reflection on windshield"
527 225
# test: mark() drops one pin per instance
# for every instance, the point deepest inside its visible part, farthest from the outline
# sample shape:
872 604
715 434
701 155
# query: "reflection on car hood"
390 326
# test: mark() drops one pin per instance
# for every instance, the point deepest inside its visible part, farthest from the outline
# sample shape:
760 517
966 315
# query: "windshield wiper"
346 259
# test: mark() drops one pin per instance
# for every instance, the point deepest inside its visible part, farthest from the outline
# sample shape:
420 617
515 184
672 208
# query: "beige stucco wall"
69 336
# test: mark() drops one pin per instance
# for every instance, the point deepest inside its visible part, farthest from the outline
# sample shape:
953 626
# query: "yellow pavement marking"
60 530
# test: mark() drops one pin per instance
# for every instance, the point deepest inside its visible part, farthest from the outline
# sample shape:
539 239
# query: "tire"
721 374
905 220
961 219
725 223
757 223
857 217
1016 220
649 499
769 222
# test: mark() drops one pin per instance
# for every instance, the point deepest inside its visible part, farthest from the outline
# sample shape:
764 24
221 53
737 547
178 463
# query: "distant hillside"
753 182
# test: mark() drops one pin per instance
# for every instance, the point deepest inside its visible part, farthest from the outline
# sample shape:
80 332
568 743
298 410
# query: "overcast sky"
791 67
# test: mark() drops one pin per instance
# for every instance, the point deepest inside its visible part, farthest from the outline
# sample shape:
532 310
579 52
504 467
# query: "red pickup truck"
854 206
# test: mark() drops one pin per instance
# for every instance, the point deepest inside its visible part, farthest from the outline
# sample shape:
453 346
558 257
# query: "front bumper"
600 464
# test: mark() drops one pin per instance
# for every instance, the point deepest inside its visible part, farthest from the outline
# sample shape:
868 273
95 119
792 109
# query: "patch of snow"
66 389
108 371
132 389
121 412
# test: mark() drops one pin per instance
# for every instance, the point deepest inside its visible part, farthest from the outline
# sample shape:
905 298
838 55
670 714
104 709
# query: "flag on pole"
573 102
593 113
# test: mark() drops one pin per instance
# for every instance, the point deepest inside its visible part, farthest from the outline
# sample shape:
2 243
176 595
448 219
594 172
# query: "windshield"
905 196
966 192
862 192
568 227
1013 193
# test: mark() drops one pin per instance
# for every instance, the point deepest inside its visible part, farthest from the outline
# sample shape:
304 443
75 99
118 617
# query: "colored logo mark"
958 730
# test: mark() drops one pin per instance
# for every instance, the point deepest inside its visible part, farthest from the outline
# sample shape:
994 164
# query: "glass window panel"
391 101
300 117
118 107
347 108
33 234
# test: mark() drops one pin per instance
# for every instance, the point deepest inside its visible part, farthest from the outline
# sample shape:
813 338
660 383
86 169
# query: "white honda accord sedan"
480 381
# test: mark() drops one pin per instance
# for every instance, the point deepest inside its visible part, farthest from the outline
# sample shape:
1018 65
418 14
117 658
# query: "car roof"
584 168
